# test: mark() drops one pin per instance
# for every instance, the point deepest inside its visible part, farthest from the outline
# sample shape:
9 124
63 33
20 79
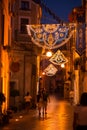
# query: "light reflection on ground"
58 117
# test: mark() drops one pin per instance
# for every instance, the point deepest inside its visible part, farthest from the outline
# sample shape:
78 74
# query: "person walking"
45 101
39 101
27 99
80 114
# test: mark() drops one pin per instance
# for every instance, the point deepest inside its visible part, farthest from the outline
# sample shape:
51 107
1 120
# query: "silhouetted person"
80 114
45 101
39 101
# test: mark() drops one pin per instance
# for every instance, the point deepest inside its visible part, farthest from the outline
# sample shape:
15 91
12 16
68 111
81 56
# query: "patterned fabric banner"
49 36
80 39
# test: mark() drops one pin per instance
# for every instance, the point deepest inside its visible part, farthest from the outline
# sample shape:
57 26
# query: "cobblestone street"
59 117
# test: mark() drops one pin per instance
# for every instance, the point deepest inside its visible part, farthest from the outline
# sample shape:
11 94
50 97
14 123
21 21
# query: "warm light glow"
62 65
16 119
49 54
74 10
43 73
20 116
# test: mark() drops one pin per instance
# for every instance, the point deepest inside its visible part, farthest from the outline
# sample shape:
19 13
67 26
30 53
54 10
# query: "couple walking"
42 100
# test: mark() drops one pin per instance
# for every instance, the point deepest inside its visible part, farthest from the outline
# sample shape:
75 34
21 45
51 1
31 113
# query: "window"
24 22
25 5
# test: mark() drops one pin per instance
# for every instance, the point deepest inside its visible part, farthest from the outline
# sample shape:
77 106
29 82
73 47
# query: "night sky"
61 8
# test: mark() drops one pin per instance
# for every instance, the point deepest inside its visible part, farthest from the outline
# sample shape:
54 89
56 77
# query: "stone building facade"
19 55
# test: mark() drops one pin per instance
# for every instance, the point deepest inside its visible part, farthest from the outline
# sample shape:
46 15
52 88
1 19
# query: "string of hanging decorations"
50 12
50 36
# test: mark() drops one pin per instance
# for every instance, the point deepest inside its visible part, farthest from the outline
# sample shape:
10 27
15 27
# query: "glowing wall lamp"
62 65
49 54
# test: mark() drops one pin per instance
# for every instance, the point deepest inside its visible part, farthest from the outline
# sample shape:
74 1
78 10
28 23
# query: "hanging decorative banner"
80 41
49 36
50 70
81 15
58 58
